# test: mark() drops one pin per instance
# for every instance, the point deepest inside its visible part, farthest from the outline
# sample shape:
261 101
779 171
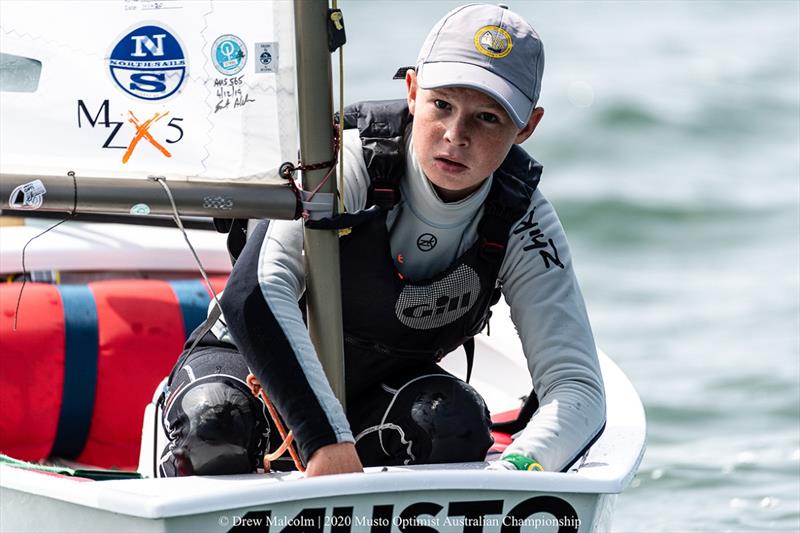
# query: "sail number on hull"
549 512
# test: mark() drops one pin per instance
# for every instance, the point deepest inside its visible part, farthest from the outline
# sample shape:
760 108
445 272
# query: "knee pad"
433 419
215 426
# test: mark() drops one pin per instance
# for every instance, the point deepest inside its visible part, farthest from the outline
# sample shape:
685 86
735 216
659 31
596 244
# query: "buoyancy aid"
389 321
84 360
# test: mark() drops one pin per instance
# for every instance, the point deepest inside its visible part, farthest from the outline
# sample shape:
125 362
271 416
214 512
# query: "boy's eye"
441 104
489 117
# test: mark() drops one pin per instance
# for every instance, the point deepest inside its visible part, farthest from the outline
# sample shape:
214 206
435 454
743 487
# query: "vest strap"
213 316
469 349
383 349
381 126
344 220
529 406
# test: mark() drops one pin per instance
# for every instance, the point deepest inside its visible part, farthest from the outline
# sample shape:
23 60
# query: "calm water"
671 146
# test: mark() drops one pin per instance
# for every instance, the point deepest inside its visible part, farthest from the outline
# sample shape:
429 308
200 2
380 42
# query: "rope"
288 437
287 169
269 457
71 215
342 208
163 182
318 187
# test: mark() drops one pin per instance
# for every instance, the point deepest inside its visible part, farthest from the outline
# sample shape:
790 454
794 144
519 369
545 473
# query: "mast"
315 109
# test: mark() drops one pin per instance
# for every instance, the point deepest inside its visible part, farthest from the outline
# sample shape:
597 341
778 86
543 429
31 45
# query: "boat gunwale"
260 490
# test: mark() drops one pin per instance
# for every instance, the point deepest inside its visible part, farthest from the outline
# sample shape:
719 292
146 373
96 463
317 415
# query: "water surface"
671 147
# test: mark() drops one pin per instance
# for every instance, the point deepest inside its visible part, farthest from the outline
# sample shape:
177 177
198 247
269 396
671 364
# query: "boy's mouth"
449 164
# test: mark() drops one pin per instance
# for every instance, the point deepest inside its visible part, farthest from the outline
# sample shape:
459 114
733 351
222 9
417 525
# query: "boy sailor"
462 219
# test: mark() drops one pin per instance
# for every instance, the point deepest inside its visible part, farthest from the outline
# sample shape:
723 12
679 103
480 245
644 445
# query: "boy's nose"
456 132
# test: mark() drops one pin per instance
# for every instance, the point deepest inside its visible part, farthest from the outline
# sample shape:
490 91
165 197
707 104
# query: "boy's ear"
527 131
411 88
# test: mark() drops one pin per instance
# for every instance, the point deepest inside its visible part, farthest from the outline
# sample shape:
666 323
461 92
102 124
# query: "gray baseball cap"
489 48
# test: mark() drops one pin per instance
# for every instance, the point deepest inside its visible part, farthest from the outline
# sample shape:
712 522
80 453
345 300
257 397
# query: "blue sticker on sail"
228 54
148 63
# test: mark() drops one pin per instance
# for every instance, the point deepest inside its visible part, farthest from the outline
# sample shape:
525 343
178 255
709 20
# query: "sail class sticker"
266 58
148 63
228 54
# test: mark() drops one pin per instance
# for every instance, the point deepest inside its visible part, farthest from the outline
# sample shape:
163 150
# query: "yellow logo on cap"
493 41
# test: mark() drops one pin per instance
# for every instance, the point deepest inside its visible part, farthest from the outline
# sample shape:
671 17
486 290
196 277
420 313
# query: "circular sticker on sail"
228 54
493 41
148 63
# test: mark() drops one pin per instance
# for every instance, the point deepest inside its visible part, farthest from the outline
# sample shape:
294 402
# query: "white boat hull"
455 497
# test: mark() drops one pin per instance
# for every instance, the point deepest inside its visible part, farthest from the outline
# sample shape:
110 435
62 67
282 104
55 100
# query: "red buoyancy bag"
85 360
502 439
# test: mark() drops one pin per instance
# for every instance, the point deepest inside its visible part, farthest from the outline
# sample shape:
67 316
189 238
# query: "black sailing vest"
391 323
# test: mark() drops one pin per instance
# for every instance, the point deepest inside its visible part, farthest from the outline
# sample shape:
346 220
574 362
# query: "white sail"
185 89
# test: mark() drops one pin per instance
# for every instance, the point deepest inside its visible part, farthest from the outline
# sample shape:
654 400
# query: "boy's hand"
516 462
340 458
500 465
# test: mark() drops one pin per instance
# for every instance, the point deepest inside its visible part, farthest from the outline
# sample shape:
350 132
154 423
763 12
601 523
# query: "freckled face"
461 136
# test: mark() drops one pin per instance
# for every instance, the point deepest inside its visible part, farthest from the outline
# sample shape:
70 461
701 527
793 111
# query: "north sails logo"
148 63
440 303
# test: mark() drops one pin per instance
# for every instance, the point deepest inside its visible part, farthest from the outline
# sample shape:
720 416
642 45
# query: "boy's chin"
449 191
